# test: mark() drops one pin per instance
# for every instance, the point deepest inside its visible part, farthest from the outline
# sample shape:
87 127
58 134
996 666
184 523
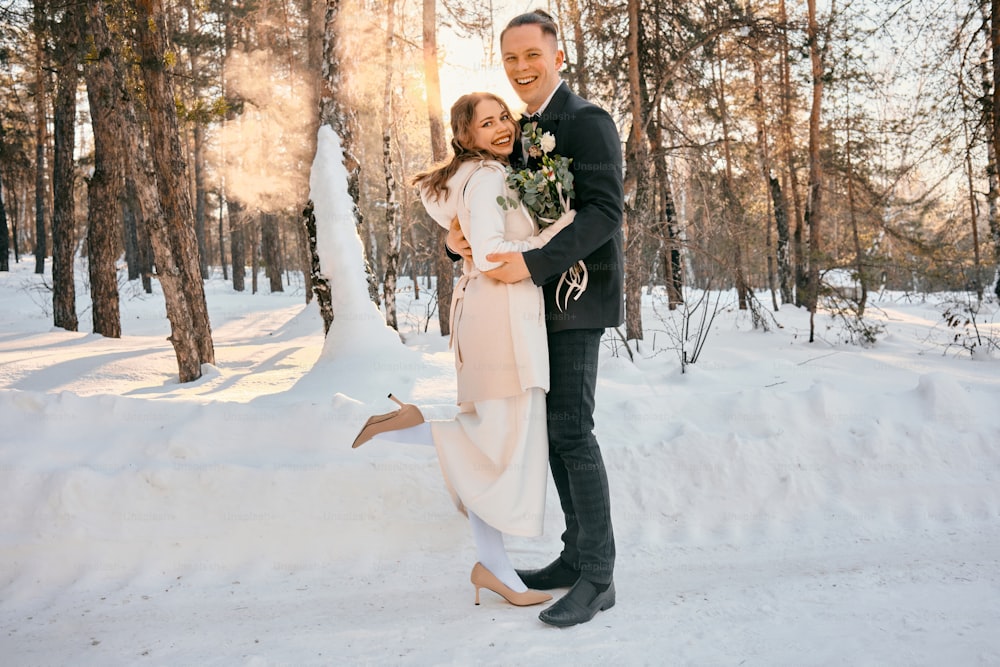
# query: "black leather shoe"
556 574
579 605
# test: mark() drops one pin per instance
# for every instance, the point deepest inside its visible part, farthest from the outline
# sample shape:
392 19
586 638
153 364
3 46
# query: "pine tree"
106 186
67 55
174 242
444 267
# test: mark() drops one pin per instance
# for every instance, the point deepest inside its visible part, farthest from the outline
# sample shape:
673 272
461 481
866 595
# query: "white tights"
490 550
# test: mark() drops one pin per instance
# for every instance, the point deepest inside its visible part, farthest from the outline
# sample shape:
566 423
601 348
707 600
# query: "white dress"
494 454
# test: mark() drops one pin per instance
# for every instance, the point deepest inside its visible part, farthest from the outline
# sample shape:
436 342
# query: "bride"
494 453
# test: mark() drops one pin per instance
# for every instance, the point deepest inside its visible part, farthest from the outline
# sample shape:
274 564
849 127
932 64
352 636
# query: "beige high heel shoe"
483 578
408 415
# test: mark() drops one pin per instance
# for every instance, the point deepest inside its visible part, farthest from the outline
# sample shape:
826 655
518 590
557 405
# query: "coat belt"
455 315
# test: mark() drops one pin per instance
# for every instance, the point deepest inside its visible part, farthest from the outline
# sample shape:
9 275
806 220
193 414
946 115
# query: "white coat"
499 329
494 454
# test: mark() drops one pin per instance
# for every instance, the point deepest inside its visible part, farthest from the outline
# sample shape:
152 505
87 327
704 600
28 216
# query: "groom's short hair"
538 17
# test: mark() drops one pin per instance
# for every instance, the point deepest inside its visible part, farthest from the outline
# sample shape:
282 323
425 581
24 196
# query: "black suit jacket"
587 134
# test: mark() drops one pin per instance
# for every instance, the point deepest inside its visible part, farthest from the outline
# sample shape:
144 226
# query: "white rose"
548 142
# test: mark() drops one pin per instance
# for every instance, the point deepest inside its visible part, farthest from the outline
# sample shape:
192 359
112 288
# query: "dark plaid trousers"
574 455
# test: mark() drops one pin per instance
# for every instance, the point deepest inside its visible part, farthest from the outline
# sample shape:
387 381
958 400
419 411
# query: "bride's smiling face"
493 129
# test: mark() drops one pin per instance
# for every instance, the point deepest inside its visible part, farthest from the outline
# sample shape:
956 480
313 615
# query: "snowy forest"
802 154
214 268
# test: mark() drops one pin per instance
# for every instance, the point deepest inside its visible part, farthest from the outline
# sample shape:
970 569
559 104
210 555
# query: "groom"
587 134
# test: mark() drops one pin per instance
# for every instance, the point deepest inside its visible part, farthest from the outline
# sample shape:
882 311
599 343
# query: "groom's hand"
514 269
456 241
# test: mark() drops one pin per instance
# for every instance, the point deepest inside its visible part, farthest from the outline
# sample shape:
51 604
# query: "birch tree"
814 199
391 207
764 157
333 112
790 253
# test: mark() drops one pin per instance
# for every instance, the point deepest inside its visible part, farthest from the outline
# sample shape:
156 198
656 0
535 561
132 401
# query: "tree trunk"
780 205
106 186
799 255
16 213
200 218
859 255
764 156
444 267
237 243
995 138
314 60
198 130
391 213
796 258
814 200
178 218
253 229
638 214
414 264
234 207
222 237
672 249
987 116
341 120
63 172
4 231
271 249
147 199
581 83
152 236
131 238
666 225
734 215
320 285
41 132
137 175
977 269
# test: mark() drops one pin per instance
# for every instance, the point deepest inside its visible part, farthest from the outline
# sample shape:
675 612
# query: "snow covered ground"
780 502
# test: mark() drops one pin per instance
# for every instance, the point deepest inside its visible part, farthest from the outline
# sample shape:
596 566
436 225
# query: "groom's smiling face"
532 60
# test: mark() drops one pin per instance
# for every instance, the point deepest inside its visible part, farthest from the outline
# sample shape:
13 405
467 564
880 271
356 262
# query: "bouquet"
546 192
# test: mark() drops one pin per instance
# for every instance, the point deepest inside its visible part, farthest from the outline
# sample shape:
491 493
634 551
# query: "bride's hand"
564 221
544 236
